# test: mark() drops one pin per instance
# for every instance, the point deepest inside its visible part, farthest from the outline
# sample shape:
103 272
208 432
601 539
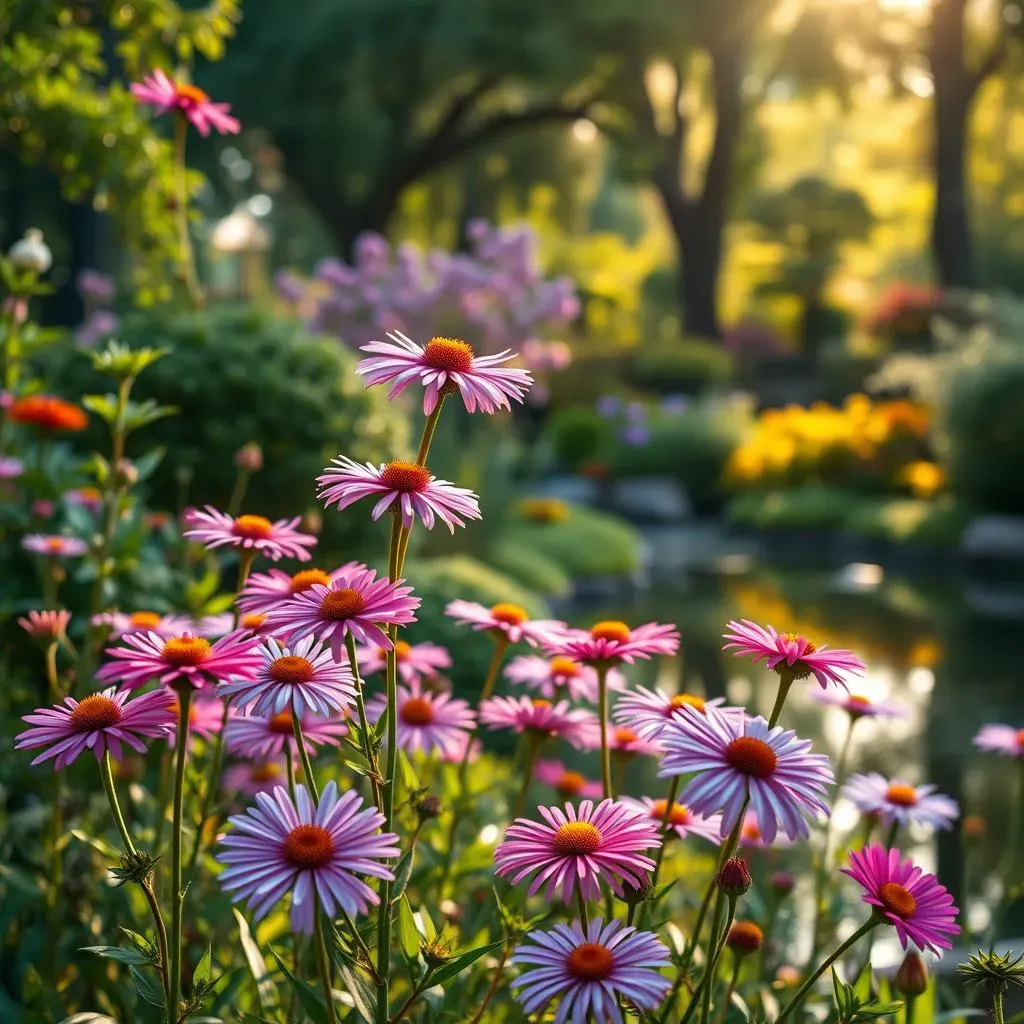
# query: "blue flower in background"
636 412
675 405
636 435
608 406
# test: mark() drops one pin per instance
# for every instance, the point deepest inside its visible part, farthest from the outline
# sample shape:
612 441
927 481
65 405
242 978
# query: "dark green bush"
938 523
806 508
578 434
681 367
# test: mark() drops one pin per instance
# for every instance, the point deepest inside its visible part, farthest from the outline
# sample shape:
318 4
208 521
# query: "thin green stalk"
494 986
785 682
209 791
890 837
289 768
188 266
307 766
713 943
581 903
234 505
52 679
177 895
364 722
323 963
911 1006
533 744
737 963
428 432
107 775
717 945
602 713
659 856
997 1008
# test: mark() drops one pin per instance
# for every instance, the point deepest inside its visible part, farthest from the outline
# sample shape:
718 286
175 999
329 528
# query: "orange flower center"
625 736
751 757
281 723
576 838
305 579
145 620
95 712
590 962
570 783
809 648
1020 738
859 700
539 703
448 354
308 846
417 711
342 604
186 650
253 527
897 899
751 832
291 669
265 772
406 477
253 620
901 795
55 544
611 630
191 94
564 667
679 815
745 935
685 700
510 614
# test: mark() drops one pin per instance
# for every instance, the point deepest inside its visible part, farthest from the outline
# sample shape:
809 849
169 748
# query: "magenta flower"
303 678
275 540
54 546
857 705
266 590
99 722
162 92
181 659
611 643
555 677
921 910
255 737
1001 739
591 971
356 602
427 721
732 757
790 653
541 717
444 366
252 777
316 853
10 468
647 712
506 622
46 626
415 662
404 487
896 801
681 820
567 783
152 622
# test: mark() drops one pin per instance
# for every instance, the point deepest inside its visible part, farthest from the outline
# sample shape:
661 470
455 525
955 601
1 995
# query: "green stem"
289 769
997 1008
307 766
717 945
890 838
825 965
533 744
785 682
911 1003
737 963
107 775
210 791
602 712
713 943
428 432
234 505
177 896
323 963
581 903
364 723
495 985
188 266
52 679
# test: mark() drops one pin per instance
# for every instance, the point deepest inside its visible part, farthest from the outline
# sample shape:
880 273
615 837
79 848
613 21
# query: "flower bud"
125 473
249 457
31 253
912 977
43 508
428 807
312 522
634 894
744 937
734 877
782 883
787 976
438 951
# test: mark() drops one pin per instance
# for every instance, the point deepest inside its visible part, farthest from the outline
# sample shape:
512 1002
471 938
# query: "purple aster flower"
566 782
857 705
647 712
897 801
611 643
205 716
10 468
415 662
506 621
252 777
427 721
553 677
54 546
252 736
1001 739
264 591
275 540
541 717
681 820
121 623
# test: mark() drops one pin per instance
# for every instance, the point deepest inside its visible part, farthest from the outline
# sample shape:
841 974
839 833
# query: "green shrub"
578 434
807 508
681 367
938 523
531 568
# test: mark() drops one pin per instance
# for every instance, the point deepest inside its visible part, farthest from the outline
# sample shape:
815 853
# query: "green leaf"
307 995
147 987
140 942
146 465
105 406
408 775
204 971
266 993
121 954
402 875
461 962
141 414
862 986
408 933
428 925
364 996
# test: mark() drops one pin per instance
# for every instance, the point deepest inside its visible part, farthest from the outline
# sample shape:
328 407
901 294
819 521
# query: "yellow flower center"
746 936
55 544
901 795
624 737
540 703
406 477
305 579
448 354
751 756
308 846
186 650
564 667
590 962
267 772
402 650
253 527
342 604
95 712
253 620
145 620
570 783
291 669
686 700
576 838
679 815
897 899
191 94
858 700
611 630
417 711
510 614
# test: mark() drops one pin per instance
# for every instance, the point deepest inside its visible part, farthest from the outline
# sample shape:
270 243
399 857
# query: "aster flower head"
921 910
564 781
205 715
590 970
792 654
252 777
163 92
752 836
54 545
731 757
578 847
558 676
506 622
316 853
622 741
303 678
259 737
46 627
415 662
444 366
274 540
407 489
356 602
540 717
427 721
895 801
994 972
745 937
857 705
179 660
100 722
611 643
457 753
682 822
647 712
121 623
264 591
1001 739
10 467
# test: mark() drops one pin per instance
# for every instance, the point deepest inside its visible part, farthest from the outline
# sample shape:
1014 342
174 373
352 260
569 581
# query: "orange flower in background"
47 412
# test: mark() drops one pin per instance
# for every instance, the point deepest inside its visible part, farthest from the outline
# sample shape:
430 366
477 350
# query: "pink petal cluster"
163 92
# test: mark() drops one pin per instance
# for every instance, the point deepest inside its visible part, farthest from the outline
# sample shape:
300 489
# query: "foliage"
530 568
686 366
929 523
811 507
578 434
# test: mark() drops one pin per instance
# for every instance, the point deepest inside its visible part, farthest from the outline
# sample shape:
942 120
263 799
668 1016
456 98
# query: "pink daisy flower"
520 714
578 847
444 366
857 705
681 820
181 659
10 468
788 652
54 546
456 753
732 757
567 783
622 741
356 602
253 737
415 662
161 91
303 678
406 488
275 540
921 910
647 712
896 801
751 835
316 853
89 498
591 972
99 722
252 777
555 677
205 716
427 721
152 622
506 621
214 626
1001 739
46 626
610 643
264 591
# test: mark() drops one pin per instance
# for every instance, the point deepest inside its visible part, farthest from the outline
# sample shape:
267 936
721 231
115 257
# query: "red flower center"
684 700
448 354
570 783
679 815
417 711
191 95
565 667
745 935
510 614
576 838
611 630
305 579
901 794
253 621
751 757
339 605
897 899
145 620
281 723
308 846
253 527
291 669
267 772
186 650
624 737
406 477
590 962
95 712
